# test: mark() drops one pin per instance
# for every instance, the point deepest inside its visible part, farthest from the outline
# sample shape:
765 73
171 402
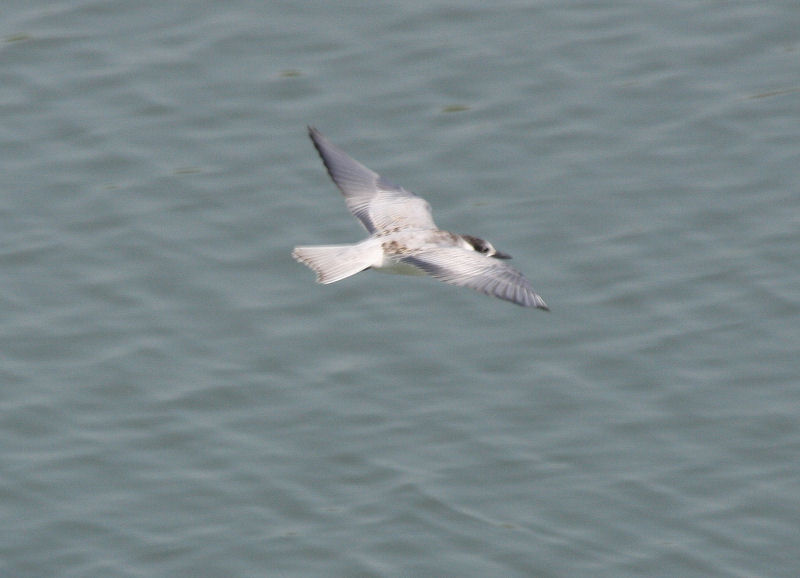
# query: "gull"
403 238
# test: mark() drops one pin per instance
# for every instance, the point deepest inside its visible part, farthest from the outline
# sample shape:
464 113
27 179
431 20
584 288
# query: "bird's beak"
499 255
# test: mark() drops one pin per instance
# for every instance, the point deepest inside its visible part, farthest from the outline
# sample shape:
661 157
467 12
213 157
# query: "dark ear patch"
478 244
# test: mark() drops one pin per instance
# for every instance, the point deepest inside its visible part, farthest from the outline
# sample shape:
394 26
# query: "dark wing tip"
315 136
324 149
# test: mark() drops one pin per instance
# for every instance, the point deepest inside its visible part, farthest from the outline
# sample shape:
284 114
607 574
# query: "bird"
403 238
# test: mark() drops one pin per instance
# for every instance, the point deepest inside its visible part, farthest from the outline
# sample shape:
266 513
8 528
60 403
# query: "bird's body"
404 238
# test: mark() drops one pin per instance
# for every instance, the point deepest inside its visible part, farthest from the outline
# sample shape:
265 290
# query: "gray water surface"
179 398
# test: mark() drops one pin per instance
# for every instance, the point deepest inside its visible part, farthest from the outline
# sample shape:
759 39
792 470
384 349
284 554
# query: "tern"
403 238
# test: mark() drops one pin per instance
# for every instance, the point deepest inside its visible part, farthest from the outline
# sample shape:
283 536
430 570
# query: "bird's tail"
333 263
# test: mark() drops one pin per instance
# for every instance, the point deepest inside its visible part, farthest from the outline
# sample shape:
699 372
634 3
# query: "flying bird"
403 238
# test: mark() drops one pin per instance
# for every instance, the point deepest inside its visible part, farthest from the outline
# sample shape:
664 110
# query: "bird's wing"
378 204
485 274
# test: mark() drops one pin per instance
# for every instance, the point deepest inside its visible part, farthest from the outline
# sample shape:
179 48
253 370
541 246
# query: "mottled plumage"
404 239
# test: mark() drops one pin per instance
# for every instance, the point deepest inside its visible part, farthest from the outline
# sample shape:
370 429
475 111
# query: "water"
180 399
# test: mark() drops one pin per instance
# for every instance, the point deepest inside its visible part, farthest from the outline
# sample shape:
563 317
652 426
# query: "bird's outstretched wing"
485 274
378 204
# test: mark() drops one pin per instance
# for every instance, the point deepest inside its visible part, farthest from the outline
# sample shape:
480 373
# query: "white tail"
333 263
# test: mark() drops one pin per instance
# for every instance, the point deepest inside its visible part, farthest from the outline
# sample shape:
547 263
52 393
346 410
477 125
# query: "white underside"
399 268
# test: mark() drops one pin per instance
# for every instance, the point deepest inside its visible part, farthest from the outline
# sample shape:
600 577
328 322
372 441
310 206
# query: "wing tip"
535 300
315 136
527 299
